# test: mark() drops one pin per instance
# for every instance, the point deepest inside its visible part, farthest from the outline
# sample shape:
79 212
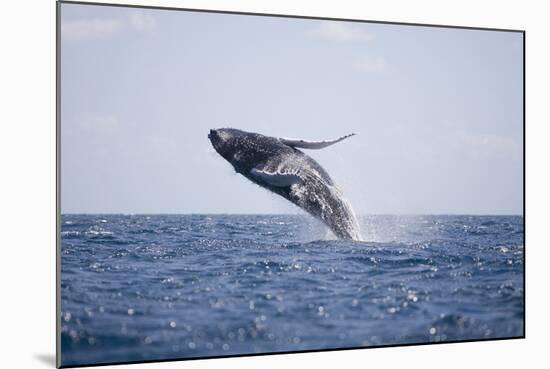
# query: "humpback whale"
278 165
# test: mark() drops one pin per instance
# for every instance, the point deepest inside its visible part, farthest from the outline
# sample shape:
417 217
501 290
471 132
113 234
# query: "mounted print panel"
237 184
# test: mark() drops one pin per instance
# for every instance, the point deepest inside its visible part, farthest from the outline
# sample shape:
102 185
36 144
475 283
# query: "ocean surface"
152 287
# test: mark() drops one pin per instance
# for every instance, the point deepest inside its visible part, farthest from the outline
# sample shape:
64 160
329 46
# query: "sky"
438 112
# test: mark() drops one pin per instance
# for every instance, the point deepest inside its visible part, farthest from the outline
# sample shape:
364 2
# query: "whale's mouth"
211 134
219 141
214 138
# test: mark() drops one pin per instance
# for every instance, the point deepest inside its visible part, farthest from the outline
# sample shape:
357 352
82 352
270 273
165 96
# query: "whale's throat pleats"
274 178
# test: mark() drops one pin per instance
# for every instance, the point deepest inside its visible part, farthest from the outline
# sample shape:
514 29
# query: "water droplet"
320 310
130 311
433 330
173 324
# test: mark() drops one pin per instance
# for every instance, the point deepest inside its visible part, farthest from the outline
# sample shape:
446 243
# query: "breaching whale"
277 165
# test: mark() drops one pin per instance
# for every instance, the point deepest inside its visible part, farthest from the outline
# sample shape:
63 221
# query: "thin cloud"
92 124
141 21
370 64
341 32
83 29
93 28
486 141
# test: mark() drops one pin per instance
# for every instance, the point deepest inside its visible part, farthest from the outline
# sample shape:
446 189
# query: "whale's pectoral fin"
276 179
313 145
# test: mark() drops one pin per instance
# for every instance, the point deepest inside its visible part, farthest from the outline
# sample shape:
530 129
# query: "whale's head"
226 141
244 150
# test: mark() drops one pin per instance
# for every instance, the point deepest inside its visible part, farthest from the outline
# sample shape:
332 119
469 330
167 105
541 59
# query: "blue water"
138 287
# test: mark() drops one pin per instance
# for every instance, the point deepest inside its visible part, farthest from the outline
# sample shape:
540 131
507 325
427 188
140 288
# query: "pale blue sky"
438 111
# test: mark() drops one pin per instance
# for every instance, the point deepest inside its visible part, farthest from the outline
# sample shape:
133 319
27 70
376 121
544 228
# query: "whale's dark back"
315 193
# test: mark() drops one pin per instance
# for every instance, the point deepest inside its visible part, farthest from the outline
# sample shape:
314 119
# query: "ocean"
154 287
